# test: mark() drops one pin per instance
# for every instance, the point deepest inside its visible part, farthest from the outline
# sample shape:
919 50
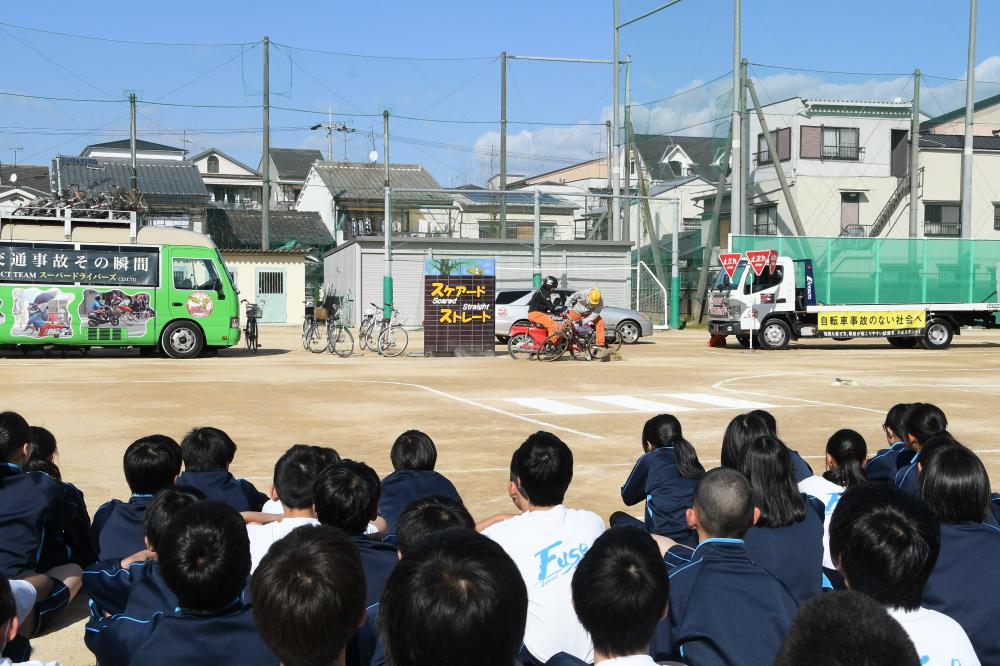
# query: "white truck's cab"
743 303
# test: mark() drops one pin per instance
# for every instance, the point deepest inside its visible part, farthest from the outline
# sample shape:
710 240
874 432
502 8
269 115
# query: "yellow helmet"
594 296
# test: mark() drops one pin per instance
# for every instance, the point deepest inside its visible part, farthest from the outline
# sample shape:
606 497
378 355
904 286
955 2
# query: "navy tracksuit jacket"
223 486
884 464
377 560
724 609
802 469
117 529
656 479
32 518
964 583
406 485
139 591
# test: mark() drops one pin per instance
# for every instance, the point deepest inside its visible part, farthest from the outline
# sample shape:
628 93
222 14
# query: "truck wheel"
775 334
182 339
903 343
937 334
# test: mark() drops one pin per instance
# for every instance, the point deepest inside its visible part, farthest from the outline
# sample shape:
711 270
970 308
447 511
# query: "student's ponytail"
848 450
923 420
665 430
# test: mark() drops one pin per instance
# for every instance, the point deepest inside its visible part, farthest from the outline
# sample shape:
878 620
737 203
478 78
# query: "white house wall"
245 266
315 197
941 183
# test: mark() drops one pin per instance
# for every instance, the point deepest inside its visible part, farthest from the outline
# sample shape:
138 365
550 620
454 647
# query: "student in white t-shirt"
885 542
547 542
295 475
13 595
846 452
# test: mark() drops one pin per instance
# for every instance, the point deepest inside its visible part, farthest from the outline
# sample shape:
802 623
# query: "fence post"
675 276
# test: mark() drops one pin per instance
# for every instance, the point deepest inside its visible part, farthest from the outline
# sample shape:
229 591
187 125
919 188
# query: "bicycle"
253 313
532 341
368 321
339 338
389 337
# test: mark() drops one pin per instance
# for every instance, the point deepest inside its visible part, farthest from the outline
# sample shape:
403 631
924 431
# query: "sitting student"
135 585
802 468
346 496
954 484
884 464
923 422
309 596
208 453
546 542
787 540
273 505
17 648
205 560
845 629
31 506
724 608
74 543
456 599
845 459
151 464
747 427
665 476
413 458
885 542
295 474
620 594
10 620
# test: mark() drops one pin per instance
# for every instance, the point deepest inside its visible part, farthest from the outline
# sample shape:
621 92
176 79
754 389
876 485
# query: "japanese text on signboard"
459 299
61 265
875 323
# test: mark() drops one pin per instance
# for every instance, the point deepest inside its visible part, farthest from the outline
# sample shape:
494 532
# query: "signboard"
730 262
772 261
758 259
459 305
38 263
873 324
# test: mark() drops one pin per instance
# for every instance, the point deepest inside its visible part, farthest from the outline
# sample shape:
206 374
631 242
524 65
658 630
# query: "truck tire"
937 334
774 334
903 343
182 339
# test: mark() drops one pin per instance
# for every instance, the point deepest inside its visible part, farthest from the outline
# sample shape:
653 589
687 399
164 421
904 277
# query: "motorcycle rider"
541 307
586 305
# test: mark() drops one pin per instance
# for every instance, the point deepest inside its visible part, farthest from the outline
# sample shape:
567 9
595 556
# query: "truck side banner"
39 263
872 323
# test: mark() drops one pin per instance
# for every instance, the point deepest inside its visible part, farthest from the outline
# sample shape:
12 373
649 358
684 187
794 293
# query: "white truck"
780 306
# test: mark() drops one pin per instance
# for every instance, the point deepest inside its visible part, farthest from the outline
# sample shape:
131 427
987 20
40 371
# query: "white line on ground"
547 406
719 400
637 404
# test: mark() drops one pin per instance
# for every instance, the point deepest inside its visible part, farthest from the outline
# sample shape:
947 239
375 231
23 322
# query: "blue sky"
555 109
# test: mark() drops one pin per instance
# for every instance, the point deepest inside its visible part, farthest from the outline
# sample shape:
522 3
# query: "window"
850 215
270 282
213 164
631 169
517 230
766 280
765 220
782 139
676 168
194 274
943 220
996 217
840 143
509 296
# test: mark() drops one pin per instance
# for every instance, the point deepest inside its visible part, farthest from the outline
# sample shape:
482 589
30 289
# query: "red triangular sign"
730 261
758 259
772 261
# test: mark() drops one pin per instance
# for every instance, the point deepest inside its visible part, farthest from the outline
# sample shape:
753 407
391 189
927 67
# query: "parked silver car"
512 308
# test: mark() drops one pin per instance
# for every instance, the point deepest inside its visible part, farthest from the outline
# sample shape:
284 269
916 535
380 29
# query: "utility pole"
745 144
675 275
329 134
134 179
616 203
611 159
915 155
265 211
536 249
387 224
503 145
627 212
737 187
965 218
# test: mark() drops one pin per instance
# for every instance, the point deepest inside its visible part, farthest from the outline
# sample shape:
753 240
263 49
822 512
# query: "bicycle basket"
254 311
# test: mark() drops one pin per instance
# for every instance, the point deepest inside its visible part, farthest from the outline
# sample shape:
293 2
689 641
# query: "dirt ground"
479 409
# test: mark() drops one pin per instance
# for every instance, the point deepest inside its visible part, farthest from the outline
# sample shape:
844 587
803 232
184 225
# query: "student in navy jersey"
134 585
413 457
151 464
309 596
205 561
886 462
456 599
31 507
208 453
923 422
954 483
74 542
845 628
787 540
750 426
724 609
665 477
346 496
885 542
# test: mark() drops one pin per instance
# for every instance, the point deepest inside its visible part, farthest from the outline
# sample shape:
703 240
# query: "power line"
369 56
119 41
845 73
685 91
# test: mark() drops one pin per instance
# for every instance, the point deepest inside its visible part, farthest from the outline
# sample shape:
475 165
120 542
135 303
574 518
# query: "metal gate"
650 296
272 296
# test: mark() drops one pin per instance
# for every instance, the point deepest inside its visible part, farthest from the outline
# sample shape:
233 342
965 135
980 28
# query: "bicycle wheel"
521 346
364 331
582 347
252 342
551 351
393 340
374 333
341 342
307 325
318 339
613 340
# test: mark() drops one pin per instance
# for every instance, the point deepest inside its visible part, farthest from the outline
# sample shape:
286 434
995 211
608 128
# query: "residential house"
940 201
985 117
278 279
479 213
144 150
21 184
289 168
350 197
230 183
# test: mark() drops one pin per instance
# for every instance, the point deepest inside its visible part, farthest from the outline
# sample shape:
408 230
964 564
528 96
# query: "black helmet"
550 283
